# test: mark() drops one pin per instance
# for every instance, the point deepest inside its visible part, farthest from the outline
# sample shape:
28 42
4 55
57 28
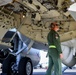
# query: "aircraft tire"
7 63
3 55
25 67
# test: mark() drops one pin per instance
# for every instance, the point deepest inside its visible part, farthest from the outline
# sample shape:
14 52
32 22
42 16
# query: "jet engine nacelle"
72 10
4 2
68 58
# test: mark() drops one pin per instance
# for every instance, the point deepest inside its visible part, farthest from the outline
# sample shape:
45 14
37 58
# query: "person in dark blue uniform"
54 52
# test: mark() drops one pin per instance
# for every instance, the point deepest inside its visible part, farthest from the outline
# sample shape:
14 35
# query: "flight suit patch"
56 36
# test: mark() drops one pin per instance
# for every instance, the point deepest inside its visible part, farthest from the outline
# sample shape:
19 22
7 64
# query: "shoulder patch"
56 36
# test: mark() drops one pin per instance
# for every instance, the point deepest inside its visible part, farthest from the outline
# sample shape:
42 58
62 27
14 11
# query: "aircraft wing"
33 17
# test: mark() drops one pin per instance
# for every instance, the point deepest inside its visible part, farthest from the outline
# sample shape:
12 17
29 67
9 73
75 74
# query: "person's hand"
61 55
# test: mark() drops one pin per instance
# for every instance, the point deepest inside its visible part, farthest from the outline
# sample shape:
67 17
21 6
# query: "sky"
43 57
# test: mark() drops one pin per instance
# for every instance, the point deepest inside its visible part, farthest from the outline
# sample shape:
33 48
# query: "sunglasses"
56 24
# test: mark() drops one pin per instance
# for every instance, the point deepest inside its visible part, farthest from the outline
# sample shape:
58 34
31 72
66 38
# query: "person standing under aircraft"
54 52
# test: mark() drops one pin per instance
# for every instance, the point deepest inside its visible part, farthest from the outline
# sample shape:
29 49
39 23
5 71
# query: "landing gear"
15 64
7 63
25 67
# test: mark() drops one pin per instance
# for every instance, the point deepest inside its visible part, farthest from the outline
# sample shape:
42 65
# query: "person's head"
54 26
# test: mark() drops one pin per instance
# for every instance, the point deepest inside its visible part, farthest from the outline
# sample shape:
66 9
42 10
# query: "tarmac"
43 71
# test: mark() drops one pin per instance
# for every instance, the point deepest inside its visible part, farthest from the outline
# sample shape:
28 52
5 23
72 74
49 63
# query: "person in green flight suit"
54 52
